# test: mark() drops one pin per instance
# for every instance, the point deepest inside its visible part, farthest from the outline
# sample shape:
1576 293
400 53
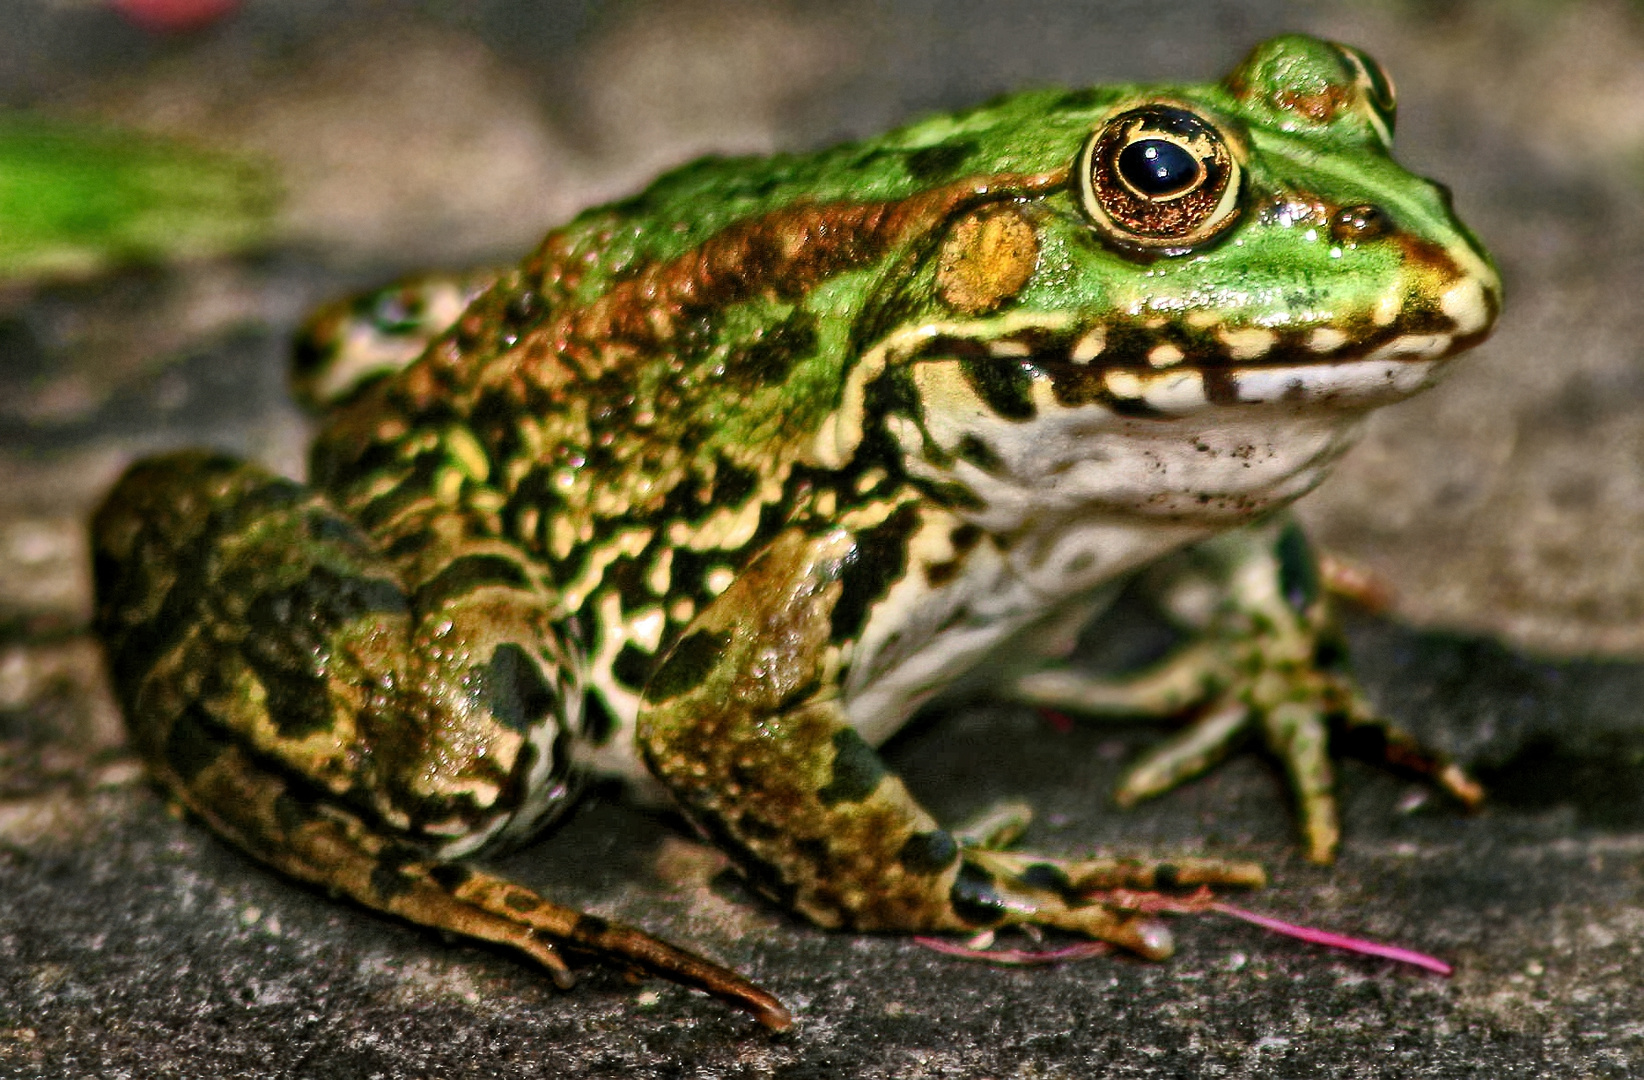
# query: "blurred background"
251 159
389 136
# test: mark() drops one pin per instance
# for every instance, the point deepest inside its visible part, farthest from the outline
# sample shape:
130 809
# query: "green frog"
732 477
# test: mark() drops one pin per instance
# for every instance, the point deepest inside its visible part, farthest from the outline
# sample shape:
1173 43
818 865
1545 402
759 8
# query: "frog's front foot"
1005 888
1265 663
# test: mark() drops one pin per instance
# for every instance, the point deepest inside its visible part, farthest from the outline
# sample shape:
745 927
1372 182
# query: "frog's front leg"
743 723
353 722
1265 662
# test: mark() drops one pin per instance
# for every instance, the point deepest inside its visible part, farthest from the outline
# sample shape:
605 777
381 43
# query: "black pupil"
1158 167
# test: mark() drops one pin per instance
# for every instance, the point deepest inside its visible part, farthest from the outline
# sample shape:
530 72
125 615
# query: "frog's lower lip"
1152 376
1339 384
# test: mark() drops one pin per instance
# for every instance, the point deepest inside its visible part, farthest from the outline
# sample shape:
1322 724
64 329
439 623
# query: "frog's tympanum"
730 478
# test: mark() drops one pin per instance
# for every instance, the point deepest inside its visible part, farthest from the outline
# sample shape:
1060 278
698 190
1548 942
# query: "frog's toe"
1298 736
997 827
1087 896
1186 678
1188 754
1364 734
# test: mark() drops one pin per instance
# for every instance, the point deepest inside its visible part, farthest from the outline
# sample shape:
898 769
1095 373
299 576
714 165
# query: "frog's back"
671 359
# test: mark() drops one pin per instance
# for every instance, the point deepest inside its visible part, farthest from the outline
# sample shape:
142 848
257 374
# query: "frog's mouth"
1172 366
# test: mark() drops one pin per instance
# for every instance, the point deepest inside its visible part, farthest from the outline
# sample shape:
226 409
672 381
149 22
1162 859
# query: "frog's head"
1207 251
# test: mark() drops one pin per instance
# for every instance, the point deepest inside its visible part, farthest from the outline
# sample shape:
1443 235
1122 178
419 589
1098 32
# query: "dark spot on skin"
766 361
450 876
290 814
974 897
626 577
402 496
940 161
327 528
290 646
814 850
974 449
892 392
330 473
591 926
761 874
462 576
688 665
965 537
939 574
732 485
495 421
524 308
688 571
408 545
632 666
947 346
1220 387
388 878
1330 653
928 852
1137 408
857 770
1047 877
1006 386
598 725
1079 100
1298 569
954 496
878 559
518 695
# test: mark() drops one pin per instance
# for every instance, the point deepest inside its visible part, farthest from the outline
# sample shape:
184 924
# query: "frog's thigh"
742 722
257 644
242 609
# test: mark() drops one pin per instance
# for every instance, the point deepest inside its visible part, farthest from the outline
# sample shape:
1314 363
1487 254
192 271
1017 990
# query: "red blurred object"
173 16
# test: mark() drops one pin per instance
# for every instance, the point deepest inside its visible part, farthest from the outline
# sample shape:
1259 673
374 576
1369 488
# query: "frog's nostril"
1356 224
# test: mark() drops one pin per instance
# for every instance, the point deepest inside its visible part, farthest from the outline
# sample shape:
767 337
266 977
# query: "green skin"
730 478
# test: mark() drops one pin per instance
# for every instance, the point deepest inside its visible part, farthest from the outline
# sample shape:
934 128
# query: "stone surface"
1507 507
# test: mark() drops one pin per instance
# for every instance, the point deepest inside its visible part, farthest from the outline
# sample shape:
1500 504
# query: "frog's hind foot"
332 848
352 342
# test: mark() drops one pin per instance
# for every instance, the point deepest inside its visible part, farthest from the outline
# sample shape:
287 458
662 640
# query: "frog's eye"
1159 176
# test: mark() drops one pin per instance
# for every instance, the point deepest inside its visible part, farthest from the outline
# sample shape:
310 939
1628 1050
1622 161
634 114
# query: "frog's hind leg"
330 847
741 721
269 663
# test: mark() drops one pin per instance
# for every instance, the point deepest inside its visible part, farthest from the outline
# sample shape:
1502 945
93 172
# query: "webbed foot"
1266 663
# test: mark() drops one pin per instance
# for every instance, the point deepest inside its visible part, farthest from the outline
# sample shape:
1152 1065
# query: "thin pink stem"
1336 941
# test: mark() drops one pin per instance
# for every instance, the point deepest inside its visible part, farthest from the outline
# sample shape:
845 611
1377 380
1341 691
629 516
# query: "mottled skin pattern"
729 479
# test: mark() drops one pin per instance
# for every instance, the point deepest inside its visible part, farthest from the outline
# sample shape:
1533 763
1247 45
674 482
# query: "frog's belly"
1077 499
1007 612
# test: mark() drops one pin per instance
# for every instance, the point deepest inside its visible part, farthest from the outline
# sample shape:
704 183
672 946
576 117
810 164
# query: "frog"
730 479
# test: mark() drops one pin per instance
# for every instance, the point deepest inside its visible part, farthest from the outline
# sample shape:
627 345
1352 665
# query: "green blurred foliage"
77 199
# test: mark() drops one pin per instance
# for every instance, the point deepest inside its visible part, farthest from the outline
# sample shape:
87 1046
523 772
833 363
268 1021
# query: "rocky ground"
1507 508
